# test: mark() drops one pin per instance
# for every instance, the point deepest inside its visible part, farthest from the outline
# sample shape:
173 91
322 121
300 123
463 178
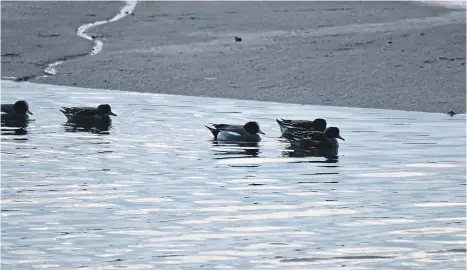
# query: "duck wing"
307 135
298 133
289 127
236 129
227 127
84 111
87 111
305 124
7 108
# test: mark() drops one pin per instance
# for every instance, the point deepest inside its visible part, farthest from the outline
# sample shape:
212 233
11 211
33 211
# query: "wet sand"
390 55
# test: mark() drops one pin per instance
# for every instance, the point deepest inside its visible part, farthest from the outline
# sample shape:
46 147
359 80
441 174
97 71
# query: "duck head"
252 128
104 109
333 133
319 124
21 106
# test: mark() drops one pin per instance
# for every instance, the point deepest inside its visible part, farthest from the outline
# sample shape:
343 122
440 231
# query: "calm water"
155 192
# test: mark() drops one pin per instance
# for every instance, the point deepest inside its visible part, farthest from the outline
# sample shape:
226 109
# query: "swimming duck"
324 143
88 115
292 128
246 133
15 114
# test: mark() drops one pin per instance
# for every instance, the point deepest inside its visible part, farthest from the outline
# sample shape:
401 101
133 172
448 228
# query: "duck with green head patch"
246 133
88 115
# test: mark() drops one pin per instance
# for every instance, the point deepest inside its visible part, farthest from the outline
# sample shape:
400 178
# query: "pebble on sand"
451 113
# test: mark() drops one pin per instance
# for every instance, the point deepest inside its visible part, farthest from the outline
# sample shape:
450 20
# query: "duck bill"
340 137
29 112
111 113
260 132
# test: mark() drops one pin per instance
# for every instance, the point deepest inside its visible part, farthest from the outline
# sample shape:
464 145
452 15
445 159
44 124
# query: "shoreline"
377 55
232 99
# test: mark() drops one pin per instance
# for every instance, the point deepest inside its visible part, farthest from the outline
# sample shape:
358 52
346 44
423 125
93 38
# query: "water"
155 193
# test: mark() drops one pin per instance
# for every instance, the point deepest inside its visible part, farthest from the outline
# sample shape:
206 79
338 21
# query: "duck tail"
282 125
63 110
213 131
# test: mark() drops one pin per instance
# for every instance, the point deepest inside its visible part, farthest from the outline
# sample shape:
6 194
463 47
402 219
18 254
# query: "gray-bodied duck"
88 115
15 114
246 133
292 128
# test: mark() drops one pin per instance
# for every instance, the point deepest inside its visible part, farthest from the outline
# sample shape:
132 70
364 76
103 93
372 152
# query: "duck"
246 133
292 128
323 143
15 114
88 115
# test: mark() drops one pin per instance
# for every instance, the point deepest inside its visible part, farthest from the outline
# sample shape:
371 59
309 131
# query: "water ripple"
155 192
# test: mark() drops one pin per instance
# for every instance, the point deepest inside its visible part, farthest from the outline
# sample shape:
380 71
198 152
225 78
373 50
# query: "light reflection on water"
156 192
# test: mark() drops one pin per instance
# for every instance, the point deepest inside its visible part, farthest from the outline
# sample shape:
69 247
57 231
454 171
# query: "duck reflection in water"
292 151
226 150
15 131
102 128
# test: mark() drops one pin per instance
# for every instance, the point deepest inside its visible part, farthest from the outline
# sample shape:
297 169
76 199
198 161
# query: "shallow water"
155 192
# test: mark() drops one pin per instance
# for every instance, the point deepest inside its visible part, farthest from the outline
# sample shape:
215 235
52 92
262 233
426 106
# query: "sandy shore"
391 55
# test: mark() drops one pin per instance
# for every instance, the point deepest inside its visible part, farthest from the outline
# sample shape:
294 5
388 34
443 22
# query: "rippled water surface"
156 193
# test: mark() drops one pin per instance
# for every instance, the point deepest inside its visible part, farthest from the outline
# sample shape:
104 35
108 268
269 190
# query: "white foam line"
50 70
98 44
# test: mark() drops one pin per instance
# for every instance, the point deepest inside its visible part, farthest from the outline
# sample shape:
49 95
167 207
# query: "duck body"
88 116
13 116
246 133
14 120
294 128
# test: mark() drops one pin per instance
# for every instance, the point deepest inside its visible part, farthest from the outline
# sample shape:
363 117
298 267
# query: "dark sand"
391 55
